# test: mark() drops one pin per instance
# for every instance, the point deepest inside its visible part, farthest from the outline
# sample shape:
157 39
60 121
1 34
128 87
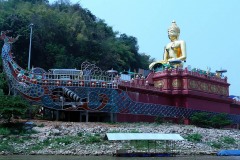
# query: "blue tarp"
229 153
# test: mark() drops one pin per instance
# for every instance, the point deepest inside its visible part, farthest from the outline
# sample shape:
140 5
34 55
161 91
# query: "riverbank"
78 138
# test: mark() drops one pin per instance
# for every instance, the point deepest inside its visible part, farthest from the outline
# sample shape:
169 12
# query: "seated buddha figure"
174 52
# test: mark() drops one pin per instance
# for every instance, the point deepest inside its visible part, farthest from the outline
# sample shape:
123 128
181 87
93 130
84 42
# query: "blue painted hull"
229 153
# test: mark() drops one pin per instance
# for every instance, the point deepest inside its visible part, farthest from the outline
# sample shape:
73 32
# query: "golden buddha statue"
174 52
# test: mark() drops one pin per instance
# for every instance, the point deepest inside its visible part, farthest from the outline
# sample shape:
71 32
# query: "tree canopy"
65 35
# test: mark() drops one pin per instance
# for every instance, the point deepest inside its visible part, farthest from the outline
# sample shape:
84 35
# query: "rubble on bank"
75 138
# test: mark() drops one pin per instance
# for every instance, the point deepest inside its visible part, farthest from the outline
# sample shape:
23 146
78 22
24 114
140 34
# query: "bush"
12 105
15 129
216 145
202 119
80 134
6 147
229 140
93 139
41 125
4 131
159 120
219 121
196 137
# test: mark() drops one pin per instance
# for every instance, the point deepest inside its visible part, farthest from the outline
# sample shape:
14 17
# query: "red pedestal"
183 88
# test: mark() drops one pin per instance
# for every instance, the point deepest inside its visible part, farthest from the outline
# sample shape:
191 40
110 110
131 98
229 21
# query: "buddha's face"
173 34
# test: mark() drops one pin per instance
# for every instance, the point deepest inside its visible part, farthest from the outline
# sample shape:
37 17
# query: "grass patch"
90 139
229 140
196 137
216 145
66 140
40 145
4 146
37 147
54 143
18 140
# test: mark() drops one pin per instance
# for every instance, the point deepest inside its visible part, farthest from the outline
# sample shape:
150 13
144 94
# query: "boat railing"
75 80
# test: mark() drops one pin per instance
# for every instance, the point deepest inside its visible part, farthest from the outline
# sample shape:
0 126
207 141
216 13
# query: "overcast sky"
211 29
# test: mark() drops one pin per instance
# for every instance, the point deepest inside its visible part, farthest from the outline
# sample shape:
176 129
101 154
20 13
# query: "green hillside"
65 35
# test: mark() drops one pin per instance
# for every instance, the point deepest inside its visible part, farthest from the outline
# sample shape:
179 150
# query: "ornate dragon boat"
171 92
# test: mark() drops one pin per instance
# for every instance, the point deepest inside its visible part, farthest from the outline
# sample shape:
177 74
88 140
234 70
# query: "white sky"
211 29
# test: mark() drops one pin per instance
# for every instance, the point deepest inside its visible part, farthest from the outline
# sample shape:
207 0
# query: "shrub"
229 140
80 134
4 131
12 105
41 125
219 121
216 145
196 137
200 119
20 129
6 147
159 120
93 139
37 147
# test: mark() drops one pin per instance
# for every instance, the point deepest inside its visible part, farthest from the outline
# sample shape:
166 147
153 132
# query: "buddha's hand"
171 59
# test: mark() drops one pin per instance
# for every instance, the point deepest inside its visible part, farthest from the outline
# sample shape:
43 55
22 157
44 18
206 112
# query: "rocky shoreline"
78 138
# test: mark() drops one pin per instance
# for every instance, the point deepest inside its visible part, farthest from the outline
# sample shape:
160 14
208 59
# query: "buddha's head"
173 31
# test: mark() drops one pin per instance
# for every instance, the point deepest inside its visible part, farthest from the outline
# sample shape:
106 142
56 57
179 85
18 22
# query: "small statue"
174 52
7 39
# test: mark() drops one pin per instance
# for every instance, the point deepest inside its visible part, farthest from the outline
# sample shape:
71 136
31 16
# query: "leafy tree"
200 119
220 121
12 106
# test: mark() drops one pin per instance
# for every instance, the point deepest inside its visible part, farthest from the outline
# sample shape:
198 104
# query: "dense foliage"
202 119
65 35
195 137
12 106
